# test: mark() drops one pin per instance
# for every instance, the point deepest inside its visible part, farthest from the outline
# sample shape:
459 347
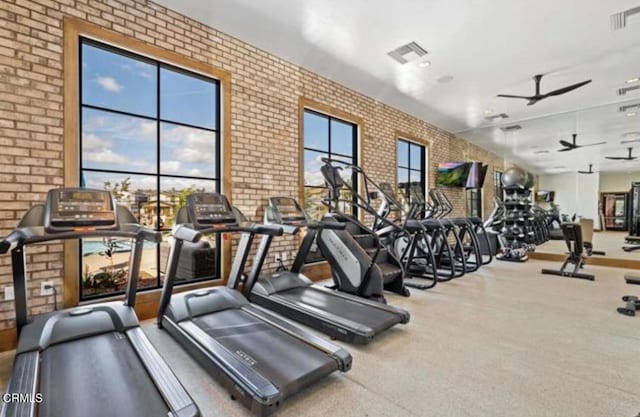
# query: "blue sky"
122 142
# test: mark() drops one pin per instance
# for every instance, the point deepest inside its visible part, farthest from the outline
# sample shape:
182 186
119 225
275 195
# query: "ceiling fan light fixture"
424 64
633 80
631 114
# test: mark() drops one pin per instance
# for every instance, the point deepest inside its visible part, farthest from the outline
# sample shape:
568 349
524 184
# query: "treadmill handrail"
29 235
256 228
326 225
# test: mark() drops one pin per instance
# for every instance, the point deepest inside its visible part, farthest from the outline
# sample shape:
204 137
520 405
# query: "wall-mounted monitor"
452 174
545 196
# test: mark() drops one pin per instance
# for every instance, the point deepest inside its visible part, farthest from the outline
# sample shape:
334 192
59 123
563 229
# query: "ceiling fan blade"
566 89
512 96
566 149
592 144
586 172
617 158
566 144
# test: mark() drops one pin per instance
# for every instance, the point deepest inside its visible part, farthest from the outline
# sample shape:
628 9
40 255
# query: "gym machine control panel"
207 209
71 209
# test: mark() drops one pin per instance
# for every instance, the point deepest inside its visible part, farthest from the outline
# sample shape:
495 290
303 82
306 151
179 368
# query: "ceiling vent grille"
624 90
496 117
541 152
619 20
624 109
407 53
511 128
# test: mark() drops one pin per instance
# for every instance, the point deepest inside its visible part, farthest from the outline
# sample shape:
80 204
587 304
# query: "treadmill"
340 315
92 360
259 357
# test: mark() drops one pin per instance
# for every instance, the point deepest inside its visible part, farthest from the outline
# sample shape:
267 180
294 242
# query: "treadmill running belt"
376 319
99 376
287 362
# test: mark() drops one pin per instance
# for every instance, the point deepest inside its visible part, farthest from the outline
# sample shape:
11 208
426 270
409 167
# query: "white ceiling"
487 47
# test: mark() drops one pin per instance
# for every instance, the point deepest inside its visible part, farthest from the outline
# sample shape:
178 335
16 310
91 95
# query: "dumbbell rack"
517 234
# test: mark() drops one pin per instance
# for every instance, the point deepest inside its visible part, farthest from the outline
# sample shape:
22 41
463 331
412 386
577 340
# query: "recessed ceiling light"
424 64
631 114
633 80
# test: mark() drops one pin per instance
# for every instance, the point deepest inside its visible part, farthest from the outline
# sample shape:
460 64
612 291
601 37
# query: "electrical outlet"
8 293
276 258
43 290
285 256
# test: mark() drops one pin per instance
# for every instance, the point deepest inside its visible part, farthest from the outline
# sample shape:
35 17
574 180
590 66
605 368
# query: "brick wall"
265 94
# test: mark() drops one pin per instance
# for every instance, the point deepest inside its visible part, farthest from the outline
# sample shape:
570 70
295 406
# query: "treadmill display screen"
69 209
288 209
207 209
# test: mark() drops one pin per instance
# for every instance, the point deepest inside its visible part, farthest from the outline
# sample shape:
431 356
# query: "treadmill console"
288 210
209 209
69 209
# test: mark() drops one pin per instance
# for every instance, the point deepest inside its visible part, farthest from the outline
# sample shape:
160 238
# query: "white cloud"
92 141
195 172
148 129
170 167
106 156
313 178
191 145
108 83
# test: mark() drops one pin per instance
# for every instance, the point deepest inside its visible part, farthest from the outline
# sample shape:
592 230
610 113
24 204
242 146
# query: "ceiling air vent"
407 53
511 128
619 20
624 90
628 107
496 117
540 152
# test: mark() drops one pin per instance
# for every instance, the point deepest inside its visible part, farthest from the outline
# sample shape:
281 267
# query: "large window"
411 166
150 135
326 136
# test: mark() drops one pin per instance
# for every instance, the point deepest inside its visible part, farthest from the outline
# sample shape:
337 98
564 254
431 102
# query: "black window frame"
330 154
159 65
423 163
474 201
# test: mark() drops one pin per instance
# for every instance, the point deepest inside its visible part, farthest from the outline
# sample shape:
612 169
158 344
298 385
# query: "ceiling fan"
588 172
538 96
623 158
570 146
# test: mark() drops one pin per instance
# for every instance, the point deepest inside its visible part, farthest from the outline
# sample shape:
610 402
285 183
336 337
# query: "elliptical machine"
360 262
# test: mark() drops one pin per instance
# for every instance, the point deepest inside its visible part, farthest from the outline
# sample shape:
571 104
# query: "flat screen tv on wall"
545 196
452 174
